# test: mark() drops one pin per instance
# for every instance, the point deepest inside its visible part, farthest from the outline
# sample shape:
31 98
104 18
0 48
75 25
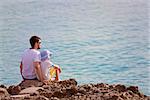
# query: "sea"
93 41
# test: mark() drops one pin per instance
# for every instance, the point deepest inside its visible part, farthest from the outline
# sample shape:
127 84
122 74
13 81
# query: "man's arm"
21 68
38 70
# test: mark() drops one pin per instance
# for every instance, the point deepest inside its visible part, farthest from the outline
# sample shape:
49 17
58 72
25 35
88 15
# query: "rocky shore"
69 90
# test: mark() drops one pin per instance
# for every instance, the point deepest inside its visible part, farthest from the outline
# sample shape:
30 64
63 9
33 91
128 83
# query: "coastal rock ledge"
69 90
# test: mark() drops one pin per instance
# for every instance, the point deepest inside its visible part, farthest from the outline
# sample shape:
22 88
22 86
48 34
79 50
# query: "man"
30 64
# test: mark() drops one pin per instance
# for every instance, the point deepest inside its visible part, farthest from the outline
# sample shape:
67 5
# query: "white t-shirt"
29 56
45 67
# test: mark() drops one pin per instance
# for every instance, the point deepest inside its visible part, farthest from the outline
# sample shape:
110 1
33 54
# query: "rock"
46 93
55 98
69 90
96 91
41 98
45 86
73 81
14 90
148 97
82 90
87 87
134 89
3 93
120 88
100 85
34 98
14 97
114 97
29 83
111 97
58 94
3 86
31 90
68 82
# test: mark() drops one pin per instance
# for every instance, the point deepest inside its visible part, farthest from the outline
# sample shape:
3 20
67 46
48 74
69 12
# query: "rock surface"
3 93
69 90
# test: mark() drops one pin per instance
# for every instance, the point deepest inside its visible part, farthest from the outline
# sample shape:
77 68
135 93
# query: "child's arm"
57 75
57 67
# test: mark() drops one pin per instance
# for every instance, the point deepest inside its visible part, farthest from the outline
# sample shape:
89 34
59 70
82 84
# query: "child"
48 68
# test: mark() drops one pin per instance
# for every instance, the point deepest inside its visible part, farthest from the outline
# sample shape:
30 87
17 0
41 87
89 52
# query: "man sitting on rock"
30 63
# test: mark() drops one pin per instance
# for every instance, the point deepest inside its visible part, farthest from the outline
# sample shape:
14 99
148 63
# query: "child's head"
45 54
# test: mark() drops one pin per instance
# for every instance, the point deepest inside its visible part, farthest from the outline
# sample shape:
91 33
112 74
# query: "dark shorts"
30 79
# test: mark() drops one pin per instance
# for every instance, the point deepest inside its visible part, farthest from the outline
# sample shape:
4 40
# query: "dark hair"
33 40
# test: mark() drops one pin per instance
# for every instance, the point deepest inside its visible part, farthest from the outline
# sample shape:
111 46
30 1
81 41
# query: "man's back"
28 58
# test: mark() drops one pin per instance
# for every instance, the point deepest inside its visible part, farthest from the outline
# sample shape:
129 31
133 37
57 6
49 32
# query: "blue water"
92 40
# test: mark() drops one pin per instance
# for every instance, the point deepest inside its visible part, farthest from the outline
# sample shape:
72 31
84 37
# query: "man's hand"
45 82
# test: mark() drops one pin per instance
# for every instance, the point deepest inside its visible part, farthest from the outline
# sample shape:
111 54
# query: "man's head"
35 42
